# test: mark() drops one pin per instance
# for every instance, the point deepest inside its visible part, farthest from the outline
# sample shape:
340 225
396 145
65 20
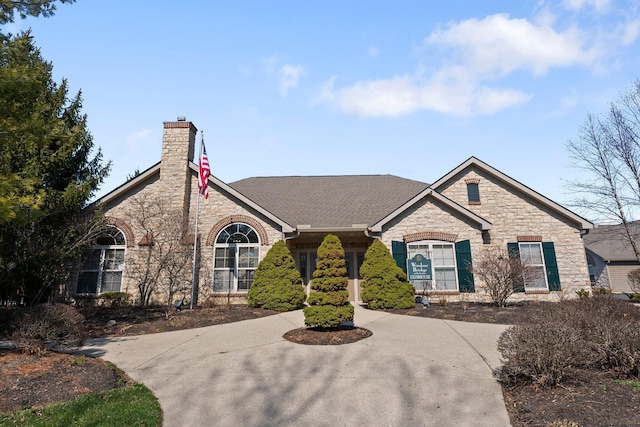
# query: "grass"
133 406
631 383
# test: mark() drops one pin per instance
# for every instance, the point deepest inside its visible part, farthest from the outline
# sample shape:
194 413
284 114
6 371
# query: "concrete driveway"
412 371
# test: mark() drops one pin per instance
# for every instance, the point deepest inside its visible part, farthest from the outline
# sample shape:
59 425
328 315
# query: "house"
610 256
449 221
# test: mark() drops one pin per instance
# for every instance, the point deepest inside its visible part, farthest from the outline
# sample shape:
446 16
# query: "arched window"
235 258
102 265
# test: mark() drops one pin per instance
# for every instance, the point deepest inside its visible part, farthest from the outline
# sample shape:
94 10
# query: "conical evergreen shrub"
329 299
277 284
384 284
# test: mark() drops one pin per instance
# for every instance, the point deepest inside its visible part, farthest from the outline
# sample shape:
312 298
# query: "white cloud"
498 45
475 55
566 104
630 33
403 95
598 5
373 52
289 76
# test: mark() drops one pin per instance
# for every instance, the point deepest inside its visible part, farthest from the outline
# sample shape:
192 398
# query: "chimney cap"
181 118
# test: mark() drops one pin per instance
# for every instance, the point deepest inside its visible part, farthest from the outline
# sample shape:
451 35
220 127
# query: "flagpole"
195 234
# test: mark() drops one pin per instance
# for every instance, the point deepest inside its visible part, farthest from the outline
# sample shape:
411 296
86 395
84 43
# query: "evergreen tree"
329 299
26 8
277 284
384 284
48 172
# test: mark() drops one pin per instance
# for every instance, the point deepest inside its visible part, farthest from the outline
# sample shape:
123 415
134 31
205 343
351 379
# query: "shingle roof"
330 201
611 243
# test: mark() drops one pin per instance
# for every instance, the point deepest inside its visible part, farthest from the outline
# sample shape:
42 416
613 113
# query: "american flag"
203 176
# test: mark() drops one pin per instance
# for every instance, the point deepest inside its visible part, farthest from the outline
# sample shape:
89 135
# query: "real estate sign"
419 268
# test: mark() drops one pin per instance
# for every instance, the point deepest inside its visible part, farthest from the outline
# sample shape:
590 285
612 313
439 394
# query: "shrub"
277 284
583 293
634 280
329 298
600 332
384 284
117 299
48 324
541 354
502 272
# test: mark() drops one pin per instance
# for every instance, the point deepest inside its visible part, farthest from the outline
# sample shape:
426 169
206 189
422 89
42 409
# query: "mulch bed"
588 398
27 380
343 335
138 321
512 314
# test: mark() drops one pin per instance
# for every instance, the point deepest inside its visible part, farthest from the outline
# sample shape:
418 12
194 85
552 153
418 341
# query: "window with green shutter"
541 256
399 252
464 262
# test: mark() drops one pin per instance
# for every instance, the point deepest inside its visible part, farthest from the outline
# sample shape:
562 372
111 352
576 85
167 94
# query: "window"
235 259
531 254
473 193
592 269
443 264
102 265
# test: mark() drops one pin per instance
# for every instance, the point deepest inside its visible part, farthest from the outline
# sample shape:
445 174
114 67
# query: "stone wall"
176 188
514 214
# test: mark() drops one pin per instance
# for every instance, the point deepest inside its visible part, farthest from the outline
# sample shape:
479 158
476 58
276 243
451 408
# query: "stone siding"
514 214
176 186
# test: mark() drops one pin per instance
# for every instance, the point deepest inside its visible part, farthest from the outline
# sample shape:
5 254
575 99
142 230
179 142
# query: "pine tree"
48 172
329 299
384 284
277 284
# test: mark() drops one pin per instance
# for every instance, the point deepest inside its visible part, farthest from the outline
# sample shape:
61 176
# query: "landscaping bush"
277 284
48 324
634 280
600 332
384 284
541 354
329 298
116 299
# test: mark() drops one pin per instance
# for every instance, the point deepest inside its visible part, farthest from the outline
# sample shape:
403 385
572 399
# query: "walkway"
412 371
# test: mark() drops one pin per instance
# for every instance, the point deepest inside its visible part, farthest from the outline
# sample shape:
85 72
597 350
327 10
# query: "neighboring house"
450 222
610 256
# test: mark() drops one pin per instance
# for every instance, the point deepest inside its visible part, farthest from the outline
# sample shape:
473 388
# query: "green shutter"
551 264
463 259
399 251
514 253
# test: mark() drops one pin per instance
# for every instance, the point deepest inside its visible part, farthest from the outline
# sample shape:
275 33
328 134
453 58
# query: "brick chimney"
178 142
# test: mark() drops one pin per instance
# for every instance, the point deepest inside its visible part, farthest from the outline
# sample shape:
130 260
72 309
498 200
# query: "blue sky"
410 88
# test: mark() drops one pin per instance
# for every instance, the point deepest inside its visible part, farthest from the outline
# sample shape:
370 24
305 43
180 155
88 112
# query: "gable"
497 189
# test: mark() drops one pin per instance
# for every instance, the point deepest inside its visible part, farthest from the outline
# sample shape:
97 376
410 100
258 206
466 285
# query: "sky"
408 88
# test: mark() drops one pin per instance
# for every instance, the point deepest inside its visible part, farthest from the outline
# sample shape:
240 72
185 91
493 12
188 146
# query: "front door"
306 266
354 260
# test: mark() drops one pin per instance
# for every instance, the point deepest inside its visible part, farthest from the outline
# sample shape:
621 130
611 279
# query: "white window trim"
236 268
543 265
101 270
430 244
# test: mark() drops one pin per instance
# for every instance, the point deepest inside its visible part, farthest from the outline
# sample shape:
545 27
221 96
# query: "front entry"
306 262
354 260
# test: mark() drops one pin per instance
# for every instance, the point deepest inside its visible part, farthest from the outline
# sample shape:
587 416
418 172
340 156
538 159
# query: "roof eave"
484 224
286 228
124 188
